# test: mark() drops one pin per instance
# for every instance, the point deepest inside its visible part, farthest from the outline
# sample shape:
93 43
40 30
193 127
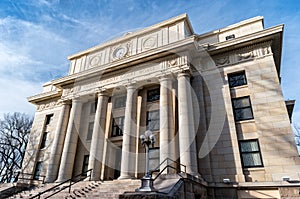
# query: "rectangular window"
90 131
153 120
85 165
44 140
153 95
230 37
117 127
237 79
48 119
120 102
153 158
250 153
93 107
242 108
38 170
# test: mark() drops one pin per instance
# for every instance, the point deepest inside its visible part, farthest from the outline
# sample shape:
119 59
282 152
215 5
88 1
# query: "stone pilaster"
70 144
167 124
98 138
128 155
187 145
58 141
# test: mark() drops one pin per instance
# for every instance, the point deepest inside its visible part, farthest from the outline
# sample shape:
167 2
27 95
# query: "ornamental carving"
120 51
95 60
49 105
244 54
222 61
150 42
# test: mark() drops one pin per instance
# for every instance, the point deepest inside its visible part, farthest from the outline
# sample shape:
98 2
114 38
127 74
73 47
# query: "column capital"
102 92
77 100
65 102
164 77
183 73
131 86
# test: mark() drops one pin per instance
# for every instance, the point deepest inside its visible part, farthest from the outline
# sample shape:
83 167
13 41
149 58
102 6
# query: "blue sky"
36 36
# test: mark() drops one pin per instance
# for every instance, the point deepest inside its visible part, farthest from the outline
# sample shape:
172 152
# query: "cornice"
44 96
259 36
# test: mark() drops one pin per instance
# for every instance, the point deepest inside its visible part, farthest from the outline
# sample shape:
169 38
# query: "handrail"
167 166
63 188
169 159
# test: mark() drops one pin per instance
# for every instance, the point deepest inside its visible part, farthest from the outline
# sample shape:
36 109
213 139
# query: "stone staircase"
83 189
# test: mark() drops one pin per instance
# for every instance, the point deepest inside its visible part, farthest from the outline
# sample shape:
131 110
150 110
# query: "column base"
125 177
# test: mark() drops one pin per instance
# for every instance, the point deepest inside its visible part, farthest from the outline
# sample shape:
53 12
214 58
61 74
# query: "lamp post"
147 182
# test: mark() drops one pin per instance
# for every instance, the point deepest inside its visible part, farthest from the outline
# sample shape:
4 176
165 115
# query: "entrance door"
118 158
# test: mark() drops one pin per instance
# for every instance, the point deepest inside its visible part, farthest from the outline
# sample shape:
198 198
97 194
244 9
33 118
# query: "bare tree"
14 134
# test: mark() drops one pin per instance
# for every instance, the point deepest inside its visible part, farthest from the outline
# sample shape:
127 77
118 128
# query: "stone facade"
213 101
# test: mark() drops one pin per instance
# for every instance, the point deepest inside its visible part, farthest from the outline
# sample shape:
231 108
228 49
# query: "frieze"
244 54
150 42
49 105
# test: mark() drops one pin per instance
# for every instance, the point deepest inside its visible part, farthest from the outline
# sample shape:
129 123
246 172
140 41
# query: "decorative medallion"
94 61
149 43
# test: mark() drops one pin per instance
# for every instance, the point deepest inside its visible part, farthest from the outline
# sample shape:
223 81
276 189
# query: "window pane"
153 158
243 114
38 170
237 79
44 140
48 119
241 102
90 131
120 102
249 146
251 159
153 95
117 127
153 120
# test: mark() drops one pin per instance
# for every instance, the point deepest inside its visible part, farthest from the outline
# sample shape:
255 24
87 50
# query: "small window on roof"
230 37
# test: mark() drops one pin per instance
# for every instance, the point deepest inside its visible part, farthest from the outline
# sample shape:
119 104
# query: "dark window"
153 120
230 37
242 108
44 140
120 102
85 165
153 95
237 79
38 170
90 131
117 128
93 107
48 119
250 153
153 158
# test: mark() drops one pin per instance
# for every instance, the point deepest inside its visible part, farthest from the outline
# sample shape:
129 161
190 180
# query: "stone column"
70 144
128 156
98 138
187 145
58 141
166 122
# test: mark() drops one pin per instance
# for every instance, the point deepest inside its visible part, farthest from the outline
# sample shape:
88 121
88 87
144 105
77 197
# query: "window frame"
156 119
120 101
44 140
117 127
234 75
85 164
150 97
235 109
38 170
48 119
90 130
258 151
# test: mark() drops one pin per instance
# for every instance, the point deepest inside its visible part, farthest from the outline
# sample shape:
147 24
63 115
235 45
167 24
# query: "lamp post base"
147 185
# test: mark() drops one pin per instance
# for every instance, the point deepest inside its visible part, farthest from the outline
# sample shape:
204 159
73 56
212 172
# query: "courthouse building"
213 101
